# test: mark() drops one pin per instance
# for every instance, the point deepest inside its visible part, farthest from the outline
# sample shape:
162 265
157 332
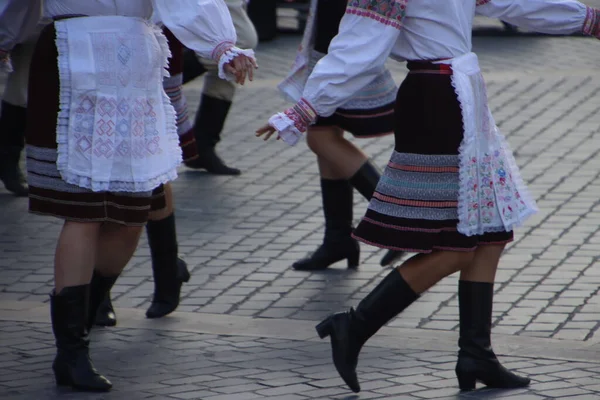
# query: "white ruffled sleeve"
204 26
545 16
18 20
366 37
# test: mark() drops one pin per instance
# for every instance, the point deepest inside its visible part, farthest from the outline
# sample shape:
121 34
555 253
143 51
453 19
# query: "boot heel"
183 274
354 260
324 328
62 379
466 381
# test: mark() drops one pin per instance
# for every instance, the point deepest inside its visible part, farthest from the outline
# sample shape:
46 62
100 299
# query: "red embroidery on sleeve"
388 12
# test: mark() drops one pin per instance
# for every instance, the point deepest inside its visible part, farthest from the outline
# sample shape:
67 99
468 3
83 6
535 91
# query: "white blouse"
204 26
422 30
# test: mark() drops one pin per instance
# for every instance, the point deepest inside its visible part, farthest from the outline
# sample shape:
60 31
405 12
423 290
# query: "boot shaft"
365 180
475 301
69 314
338 205
389 298
210 120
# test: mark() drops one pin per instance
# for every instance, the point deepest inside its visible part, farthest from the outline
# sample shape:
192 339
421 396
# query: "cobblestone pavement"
241 234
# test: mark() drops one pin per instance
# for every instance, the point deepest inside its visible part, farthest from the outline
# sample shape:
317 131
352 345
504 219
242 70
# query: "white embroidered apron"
116 128
492 195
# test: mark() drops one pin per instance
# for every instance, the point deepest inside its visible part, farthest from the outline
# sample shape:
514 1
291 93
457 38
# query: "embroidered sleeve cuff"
224 53
591 26
294 121
5 62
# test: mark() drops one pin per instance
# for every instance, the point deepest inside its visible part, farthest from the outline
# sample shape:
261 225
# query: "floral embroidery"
388 12
481 2
591 26
302 114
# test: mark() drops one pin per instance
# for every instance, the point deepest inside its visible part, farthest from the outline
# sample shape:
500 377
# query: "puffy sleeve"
204 26
18 19
367 34
545 16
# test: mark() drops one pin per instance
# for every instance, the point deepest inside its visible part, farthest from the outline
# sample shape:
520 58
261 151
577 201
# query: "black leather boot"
208 126
102 312
72 365
338 243
365 181
476 359
13 121
168 269
350 330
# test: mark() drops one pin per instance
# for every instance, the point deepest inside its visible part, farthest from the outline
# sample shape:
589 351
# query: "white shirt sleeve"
545 16
357 55
204 26
18 20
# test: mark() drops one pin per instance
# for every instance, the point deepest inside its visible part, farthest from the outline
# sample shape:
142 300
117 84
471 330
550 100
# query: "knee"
319 140
458 261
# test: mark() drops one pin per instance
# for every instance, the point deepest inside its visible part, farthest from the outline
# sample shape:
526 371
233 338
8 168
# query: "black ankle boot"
476 359
169 270
208 126
72 365
350 330
365 181
101 309
13 121
338 243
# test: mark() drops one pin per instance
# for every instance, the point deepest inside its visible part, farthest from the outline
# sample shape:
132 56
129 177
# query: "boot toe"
159 310
108 319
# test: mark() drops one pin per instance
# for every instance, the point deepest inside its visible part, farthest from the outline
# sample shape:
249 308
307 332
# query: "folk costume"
452 187
102 137
168 269
367 113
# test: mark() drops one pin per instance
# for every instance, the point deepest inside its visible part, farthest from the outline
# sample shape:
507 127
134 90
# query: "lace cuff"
224 53
5 62
294 121
591 26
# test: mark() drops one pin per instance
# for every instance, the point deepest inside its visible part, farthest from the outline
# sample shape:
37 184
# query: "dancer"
217 97
101 138
168 269
13 116
452 191
342 166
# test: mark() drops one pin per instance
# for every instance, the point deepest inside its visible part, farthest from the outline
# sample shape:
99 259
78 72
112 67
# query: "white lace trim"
470 98
144 184
286 128
228 56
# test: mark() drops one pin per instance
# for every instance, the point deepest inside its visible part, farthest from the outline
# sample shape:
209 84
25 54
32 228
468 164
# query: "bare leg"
425 270
73 266
75 254
116 246
338 158
484 265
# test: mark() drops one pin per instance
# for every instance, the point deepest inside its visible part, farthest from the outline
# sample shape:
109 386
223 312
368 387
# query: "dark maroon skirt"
414 207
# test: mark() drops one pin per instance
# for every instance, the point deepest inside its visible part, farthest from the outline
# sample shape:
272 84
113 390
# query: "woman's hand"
241 67
267 131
